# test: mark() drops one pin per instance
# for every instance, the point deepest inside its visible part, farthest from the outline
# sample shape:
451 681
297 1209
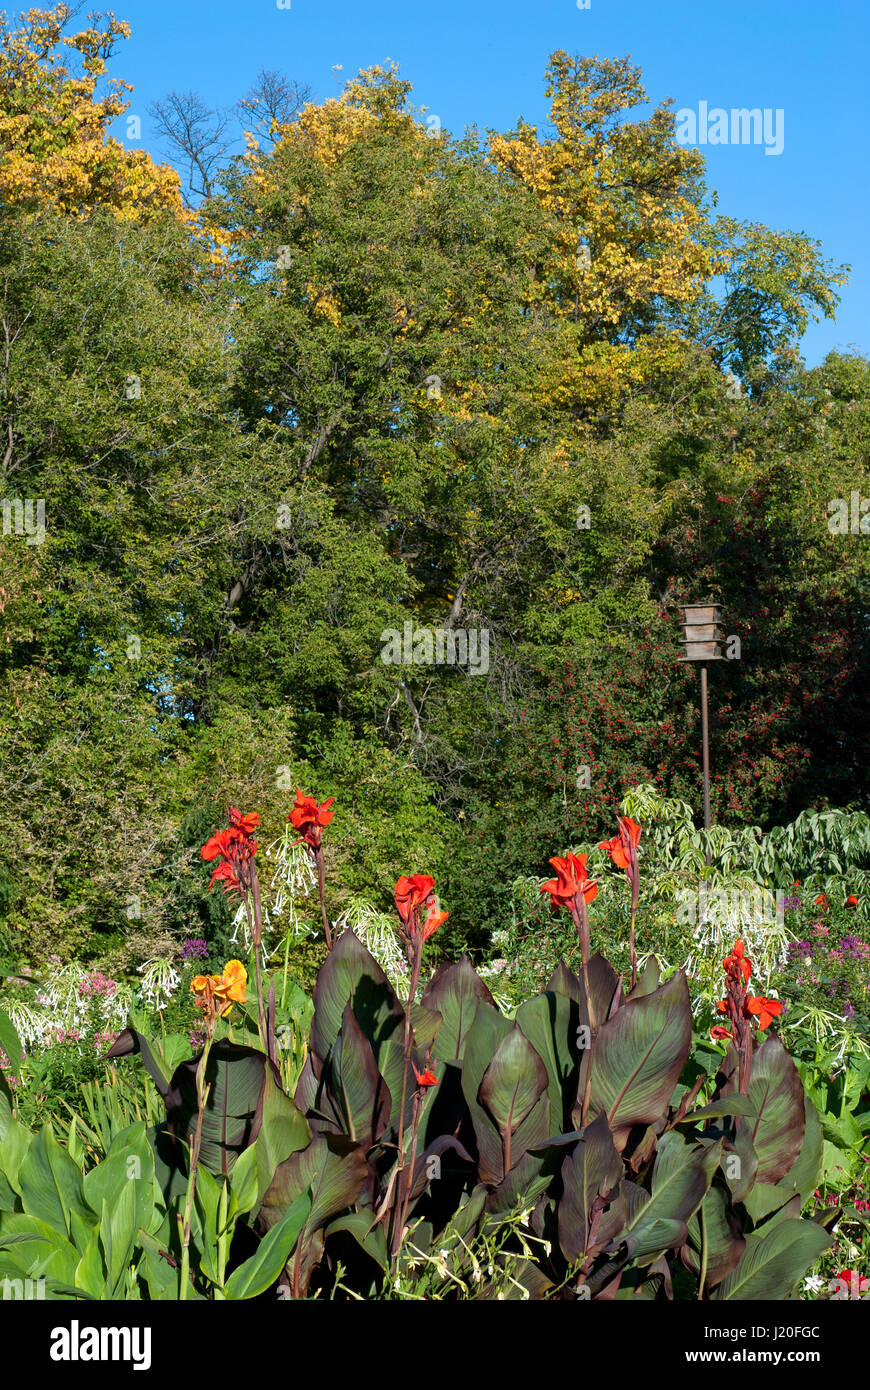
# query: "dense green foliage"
370 386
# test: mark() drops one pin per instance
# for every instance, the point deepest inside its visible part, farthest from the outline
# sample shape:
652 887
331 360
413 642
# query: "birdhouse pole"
703 637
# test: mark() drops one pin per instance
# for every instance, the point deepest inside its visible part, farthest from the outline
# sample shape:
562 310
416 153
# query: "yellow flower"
230 986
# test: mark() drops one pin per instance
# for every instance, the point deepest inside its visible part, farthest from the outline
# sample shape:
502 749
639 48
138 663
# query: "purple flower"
194 948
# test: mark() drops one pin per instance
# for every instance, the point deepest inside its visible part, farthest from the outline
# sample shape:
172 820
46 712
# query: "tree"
54 146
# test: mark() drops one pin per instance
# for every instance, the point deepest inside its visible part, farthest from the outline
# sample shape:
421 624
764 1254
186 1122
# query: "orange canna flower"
227 989
426 1078
231 984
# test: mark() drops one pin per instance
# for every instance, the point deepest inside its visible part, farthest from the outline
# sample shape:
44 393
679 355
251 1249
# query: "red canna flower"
311 819
226 874
571 879
766 1010
426 1078
246 825
412 892
738 960
235 848
621 846
851 901
219 844
822 902
433 921
717 1031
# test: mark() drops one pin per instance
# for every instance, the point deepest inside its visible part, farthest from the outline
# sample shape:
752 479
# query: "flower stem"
202 1090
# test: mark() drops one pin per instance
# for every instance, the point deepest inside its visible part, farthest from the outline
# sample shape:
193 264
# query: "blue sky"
482 62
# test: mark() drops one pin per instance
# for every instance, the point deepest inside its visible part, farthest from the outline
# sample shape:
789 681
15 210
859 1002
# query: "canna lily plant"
635 1168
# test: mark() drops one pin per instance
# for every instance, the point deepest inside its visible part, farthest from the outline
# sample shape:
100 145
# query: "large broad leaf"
776 1127
801 1178
604 988
283 1131
551 1021
351 975
638 1055
370 1238
117 1235
648 980
774 1260
455 992
564 981
5 1106
332 1174
357 1088
10 1043
131 1041
14 1146
236 1077
512 1085
716 1229
30 1247
481 1041
680 1179
51 1187
127 1170
261 1270
591 1174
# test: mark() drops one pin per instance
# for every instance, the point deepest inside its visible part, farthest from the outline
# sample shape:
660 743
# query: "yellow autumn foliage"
55 149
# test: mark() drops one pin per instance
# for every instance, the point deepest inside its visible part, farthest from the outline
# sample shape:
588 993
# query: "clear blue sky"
482 62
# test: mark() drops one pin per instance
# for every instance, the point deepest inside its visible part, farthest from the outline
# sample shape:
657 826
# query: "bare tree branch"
272 101
197 134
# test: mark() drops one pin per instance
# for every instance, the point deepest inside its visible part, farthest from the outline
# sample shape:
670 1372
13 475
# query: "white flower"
160 980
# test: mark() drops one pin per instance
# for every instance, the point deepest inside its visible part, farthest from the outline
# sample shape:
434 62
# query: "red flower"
311 819
219 844
426 1078
738 960
411 893
246 825
572 879
822 902
619 848
433 921
717 1031
766 1009
851 901
226 874
235 849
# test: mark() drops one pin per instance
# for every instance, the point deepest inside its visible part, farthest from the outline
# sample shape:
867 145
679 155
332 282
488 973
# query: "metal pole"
706 753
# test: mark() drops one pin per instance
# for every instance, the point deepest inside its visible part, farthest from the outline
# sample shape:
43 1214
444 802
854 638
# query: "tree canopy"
524 383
